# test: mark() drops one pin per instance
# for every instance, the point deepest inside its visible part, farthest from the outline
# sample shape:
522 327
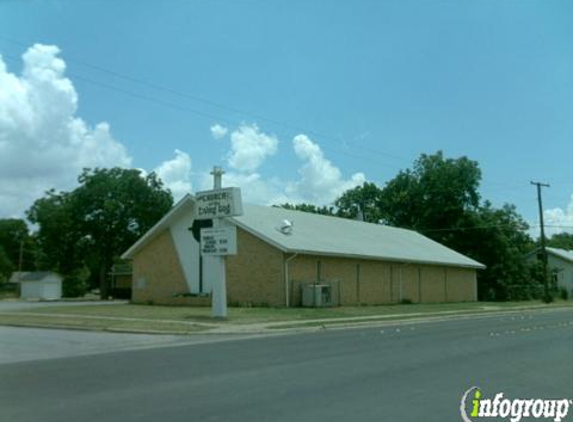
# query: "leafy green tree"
15 238
61 243
324 210
115 207
75 283
6 266
97 221
362 201
498 238
436 194
561 241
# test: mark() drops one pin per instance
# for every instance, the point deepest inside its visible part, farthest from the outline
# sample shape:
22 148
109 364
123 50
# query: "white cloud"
320 181
250 147
218 131
176 174
43 144
561 219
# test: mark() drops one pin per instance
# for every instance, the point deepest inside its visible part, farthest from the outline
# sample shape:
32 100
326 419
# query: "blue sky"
369 84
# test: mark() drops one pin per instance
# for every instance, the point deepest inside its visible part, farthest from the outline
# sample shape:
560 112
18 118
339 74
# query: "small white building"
560 264
45 285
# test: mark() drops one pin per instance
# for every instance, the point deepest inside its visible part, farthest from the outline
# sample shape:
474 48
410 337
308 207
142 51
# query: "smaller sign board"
218 203
219 241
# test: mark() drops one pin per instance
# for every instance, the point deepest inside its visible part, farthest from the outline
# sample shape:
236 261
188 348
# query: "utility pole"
20 258
543 249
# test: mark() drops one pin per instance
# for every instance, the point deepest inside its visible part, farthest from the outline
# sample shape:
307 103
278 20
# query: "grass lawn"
183 316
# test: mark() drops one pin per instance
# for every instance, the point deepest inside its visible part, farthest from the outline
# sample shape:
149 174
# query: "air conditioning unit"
317 295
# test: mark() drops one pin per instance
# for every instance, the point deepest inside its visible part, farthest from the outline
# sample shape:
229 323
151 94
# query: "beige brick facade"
157 274
378 282
257 276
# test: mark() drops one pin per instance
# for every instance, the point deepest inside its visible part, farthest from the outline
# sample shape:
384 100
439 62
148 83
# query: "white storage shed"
43 285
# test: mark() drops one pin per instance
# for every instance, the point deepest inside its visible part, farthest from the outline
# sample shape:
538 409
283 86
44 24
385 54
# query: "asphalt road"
25 344
395 373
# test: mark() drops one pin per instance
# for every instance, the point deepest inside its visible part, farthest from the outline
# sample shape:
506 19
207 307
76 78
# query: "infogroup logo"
474 407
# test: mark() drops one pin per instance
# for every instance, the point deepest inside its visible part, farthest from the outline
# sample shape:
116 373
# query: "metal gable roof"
325 235
562 253
32 276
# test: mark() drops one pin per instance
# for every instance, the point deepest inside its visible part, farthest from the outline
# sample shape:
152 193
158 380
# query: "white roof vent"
286 227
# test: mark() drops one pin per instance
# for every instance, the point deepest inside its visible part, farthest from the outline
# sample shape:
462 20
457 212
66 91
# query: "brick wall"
157 274
379 282
256 276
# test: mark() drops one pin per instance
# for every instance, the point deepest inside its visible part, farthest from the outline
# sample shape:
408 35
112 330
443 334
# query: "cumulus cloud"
43 144
561 219
218 131
320 181
176 174
250 147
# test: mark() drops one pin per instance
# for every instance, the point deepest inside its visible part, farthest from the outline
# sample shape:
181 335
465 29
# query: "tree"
15 239
60 241
497 237
436 194
96 222
324 210
561 241
362 201
6 266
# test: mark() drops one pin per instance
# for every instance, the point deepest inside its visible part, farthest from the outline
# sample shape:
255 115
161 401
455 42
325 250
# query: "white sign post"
220 240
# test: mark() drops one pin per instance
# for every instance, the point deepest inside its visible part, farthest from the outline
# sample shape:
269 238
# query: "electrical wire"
158 87
206 101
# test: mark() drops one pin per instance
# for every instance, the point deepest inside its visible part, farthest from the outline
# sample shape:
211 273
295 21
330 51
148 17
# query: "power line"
158 87
209 116
204 101
221 106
